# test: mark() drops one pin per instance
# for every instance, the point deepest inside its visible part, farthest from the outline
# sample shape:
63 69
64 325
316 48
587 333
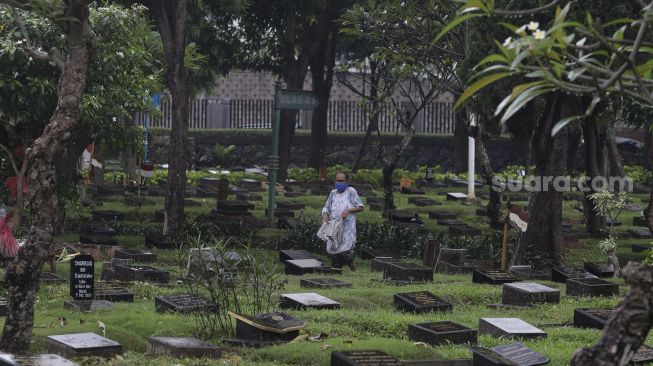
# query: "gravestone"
600 270
528 293
292 254
640 221
182 303
97 240
323 283
509 327
450 222
265 329
81 277
299 267
639 232
442 215
96 229
290 206
82 345
402 216
453 256
456 196
493 277
402 271
380 264
112 292
464 230
363 358
441 333
371 253
643 356
593 287
431 251
638 248
37 360
591 318
121 262
561 274
141 273
521 355
486 357
107 215
208 259
420 302
136 255
157 240
181 348
250 184
306 300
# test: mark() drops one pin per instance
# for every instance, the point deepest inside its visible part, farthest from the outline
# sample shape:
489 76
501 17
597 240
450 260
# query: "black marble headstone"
112 292
561 275
600 270
363 358
441 332
292 254
487 357
182 303
591 318
140 273
322 283
640 232
380 264
521 355
301 266
265 329
402 271
81 277
420 302
493 277
593 287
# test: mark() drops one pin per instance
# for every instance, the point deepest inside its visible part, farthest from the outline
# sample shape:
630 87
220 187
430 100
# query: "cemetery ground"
367 318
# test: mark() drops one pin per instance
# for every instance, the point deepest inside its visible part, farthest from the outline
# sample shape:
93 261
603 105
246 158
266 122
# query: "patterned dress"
335 205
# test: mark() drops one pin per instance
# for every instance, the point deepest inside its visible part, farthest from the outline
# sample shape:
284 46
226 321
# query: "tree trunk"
388 197
322 82
594 159
172 21
373 124
628 325
647 149
544 234
648 212
23 273
485 165
460 142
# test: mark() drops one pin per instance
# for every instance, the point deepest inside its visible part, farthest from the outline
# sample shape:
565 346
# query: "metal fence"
346 116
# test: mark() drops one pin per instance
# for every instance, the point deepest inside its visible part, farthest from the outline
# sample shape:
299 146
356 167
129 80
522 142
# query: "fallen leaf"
299 338
103 328
325 347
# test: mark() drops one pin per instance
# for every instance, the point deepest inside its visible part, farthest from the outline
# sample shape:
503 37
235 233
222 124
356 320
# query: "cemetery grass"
367 319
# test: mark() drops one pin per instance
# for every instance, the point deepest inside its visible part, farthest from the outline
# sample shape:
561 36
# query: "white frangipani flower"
533 26
507 42
521 30
539 34
581 42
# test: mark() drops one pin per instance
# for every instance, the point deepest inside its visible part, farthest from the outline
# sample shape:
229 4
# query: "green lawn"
366 320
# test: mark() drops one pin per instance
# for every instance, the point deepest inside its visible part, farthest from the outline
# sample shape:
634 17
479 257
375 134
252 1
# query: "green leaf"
454 23
523 99
562 123
492 58
516 91
480 84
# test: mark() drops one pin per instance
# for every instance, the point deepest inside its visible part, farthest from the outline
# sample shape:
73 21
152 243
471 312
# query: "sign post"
283 99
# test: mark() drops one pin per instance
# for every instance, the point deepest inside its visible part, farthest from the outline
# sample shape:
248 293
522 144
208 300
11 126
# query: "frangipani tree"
598 60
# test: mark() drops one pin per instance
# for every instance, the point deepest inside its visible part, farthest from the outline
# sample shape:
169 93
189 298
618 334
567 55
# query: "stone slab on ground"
323 283
363 358
509 327
442 332
301 266
528 293
561 275
592 287
600 270
521 355
404 271
136 255
37 360
87 305
182 303
420 302
82 345
299 301
493 277
591 318
181 348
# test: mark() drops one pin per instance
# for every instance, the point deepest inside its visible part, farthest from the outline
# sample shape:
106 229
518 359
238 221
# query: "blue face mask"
341 186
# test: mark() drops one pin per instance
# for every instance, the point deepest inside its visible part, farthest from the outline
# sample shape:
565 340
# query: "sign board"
405 182
81 277
297 99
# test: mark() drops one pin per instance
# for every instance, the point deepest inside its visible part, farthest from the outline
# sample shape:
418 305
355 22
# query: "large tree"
91 92
596 59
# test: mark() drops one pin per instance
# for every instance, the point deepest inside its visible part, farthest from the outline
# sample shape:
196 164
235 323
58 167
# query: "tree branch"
52 55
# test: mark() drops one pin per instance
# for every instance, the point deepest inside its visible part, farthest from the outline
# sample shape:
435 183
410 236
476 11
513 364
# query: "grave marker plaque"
81 277
136 255
402 271
371 253
493 277
600 270
639 248
82 345
301 266
440 333
323 283
487 357
140 273
528 293
265 329
420 302
380 264
561 275
182 303
521 355
306 300
113 293
643 356
593 287
591 318
509 327
292 254
37 360
363 358
640 232
456 196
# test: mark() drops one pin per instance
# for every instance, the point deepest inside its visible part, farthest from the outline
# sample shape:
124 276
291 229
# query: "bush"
408 242
637 173
484 248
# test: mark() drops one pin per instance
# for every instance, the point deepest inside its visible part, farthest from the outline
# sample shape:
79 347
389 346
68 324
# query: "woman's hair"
343 173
